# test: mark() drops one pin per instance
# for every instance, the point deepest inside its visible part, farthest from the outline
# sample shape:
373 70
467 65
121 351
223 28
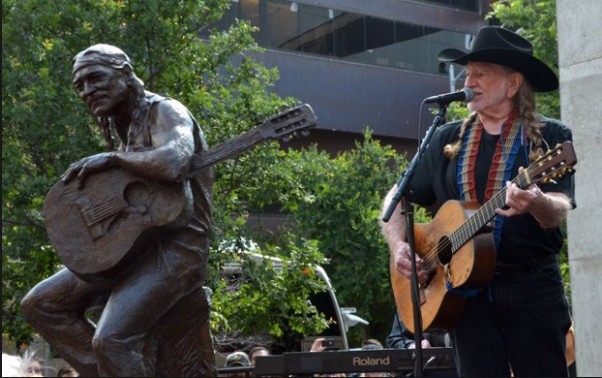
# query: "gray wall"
347 97
580 62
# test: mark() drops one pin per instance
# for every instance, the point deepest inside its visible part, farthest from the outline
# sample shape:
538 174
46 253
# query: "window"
467 5
347 36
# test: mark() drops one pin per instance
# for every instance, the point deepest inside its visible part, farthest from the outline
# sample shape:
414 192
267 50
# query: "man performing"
158 137
518 322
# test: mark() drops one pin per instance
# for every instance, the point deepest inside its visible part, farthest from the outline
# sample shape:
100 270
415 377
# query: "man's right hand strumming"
403 263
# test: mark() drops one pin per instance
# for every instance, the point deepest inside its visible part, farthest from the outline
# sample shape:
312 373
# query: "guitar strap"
511 139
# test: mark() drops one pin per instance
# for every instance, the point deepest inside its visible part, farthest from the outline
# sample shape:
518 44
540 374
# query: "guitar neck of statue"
228 149
282 125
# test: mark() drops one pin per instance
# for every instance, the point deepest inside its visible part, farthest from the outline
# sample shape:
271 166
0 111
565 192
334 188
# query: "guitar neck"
484 215
226 150
281 125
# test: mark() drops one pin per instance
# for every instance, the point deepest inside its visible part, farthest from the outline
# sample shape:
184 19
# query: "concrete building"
362 63
580 63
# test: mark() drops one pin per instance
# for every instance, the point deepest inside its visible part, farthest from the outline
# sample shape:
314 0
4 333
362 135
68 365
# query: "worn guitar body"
471 267
98 229
116 211
457 247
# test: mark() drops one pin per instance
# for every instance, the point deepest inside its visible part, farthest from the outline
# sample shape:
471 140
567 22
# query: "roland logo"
371 361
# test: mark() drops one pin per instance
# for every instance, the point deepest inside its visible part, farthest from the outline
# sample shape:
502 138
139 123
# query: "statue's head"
105 81
101 54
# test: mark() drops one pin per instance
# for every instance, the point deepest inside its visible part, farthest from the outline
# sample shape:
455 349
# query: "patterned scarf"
511 138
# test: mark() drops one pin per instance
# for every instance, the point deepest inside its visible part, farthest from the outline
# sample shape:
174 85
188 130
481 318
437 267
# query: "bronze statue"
155 313
132 228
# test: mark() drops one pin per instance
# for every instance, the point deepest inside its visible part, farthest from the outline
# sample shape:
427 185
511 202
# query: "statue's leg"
186 347
55 308
124 342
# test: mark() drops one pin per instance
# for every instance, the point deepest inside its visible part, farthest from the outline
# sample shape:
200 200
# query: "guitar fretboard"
282 125
228 149
485 213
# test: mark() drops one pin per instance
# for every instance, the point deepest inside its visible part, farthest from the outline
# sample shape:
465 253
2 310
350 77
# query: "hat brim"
539 75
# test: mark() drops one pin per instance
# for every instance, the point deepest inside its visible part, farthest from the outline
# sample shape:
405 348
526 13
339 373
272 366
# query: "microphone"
464 95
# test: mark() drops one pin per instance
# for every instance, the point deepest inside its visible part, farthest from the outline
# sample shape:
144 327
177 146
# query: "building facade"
362 63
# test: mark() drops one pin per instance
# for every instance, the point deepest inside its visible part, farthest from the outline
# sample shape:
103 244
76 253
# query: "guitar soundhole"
444 250
138 195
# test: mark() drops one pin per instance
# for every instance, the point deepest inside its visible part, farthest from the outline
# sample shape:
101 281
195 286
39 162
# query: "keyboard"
382 360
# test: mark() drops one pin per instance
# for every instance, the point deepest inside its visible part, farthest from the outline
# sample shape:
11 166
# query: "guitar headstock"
556 163
289 122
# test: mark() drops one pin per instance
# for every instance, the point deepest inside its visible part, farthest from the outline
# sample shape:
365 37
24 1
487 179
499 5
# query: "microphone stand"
407 211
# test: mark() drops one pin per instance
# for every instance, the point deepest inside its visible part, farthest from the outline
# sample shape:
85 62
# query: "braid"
452 150
525 102
136 96
105 128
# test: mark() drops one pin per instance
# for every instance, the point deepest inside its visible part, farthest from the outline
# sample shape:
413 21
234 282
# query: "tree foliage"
336 203
339 205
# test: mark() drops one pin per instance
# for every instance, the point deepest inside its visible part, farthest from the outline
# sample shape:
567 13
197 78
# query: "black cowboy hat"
494 44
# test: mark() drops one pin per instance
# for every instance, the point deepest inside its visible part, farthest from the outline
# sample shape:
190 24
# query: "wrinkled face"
102 88
493 85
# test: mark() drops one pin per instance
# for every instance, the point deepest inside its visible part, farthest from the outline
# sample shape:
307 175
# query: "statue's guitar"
97 229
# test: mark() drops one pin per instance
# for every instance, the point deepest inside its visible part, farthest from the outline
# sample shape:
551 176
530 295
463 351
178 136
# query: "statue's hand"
91 164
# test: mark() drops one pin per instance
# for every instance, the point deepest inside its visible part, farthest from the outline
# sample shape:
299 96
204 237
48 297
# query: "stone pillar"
580 62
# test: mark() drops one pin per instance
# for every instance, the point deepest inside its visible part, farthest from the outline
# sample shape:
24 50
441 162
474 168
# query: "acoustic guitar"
98 229
457 247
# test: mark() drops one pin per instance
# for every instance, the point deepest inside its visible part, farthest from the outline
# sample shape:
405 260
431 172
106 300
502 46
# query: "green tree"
338 203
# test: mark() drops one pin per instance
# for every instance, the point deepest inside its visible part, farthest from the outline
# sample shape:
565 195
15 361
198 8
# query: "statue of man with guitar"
487 265
142 279
132 228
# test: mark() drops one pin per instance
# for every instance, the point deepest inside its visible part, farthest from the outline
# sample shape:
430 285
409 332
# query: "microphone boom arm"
409 214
